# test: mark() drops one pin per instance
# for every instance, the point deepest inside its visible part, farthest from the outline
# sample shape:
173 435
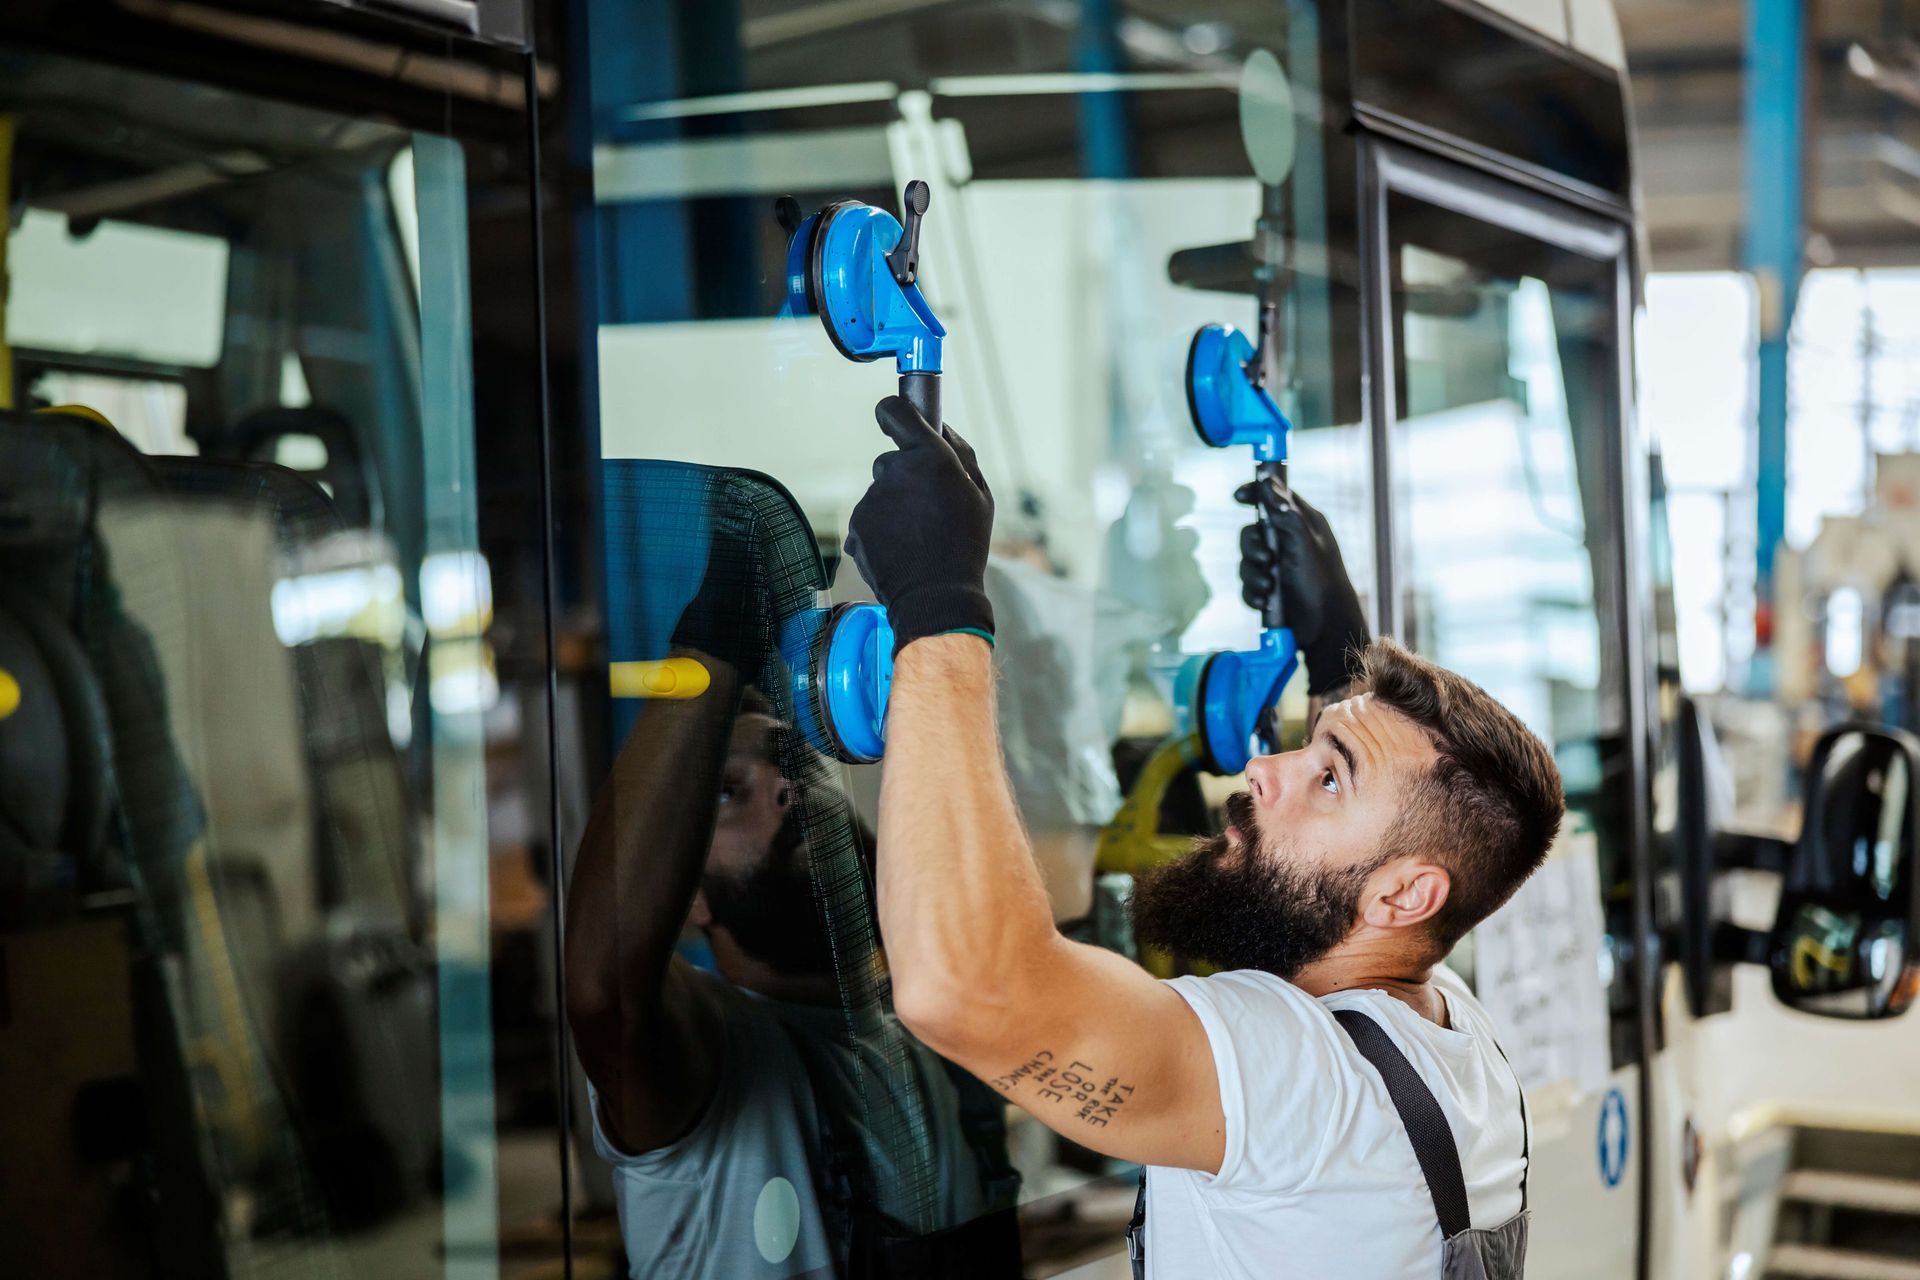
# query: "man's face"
755 801
757 885
1286 882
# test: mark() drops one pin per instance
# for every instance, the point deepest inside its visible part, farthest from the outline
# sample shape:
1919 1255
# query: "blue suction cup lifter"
1224 697
1227 696
1228 407
800 233
858 269
842 664
869 313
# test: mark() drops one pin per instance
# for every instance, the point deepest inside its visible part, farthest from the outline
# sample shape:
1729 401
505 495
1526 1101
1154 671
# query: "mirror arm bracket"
1737 944
1751 851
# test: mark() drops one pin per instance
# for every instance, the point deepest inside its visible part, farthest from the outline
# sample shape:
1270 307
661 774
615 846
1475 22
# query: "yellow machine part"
1131 842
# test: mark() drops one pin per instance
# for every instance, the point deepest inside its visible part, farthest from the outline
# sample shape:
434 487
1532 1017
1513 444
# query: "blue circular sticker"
1613 1138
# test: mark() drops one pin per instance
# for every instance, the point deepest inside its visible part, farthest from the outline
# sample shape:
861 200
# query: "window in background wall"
1696 392
1855 387
115 288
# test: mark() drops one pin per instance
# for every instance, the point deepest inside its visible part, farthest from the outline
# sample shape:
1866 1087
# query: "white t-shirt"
738 1197
1319 1178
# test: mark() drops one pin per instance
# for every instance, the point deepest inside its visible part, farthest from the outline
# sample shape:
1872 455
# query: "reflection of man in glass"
729 1100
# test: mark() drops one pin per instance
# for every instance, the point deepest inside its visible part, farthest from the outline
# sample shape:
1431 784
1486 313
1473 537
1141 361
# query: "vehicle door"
1498 348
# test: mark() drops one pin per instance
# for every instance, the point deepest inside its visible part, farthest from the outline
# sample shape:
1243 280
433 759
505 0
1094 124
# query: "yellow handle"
665 678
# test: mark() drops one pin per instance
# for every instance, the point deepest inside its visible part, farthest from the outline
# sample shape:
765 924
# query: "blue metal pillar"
645 256
1105 145
1775 138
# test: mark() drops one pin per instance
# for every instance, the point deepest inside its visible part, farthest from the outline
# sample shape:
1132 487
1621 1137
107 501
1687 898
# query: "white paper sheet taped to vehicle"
1538 970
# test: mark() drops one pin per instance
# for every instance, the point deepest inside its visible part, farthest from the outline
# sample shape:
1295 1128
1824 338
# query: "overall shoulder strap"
1426 1124
840 1177
1526 1140
1137 1230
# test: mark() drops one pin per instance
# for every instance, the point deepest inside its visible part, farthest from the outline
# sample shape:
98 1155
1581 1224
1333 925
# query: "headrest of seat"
34 759
81 411
345 474
52 464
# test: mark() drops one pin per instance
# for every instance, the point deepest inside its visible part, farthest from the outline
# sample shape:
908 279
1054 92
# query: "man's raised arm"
1086 1041
647 1043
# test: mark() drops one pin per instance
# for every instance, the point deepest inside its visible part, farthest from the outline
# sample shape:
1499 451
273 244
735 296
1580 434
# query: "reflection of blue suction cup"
1227 697
1229 404
842 663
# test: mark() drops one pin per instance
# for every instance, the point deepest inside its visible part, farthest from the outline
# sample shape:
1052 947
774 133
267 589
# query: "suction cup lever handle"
904 261
1257 366
786 210
1271 488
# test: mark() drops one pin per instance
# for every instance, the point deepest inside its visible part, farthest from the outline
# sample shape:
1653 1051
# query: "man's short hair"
1491 804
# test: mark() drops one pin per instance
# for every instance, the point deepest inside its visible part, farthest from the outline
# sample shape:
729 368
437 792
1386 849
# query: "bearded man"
1332 1101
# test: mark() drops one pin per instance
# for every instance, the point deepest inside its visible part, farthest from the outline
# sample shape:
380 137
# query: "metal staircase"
1849 1208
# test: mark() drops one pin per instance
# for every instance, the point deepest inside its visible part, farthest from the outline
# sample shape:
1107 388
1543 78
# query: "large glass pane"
1506 372
1094 201
265 829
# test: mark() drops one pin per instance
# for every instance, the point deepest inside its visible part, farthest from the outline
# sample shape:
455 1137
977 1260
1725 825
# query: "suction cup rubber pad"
1186 383
1214 360
1209 758
852 674
816 259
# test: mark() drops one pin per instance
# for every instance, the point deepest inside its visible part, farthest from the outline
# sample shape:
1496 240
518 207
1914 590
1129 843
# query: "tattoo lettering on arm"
1074 1084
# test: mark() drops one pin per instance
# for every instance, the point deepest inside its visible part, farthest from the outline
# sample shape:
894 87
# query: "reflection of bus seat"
261 435
352 988
230 686
53 831
34 765
53 757
166 568
123 817
63 480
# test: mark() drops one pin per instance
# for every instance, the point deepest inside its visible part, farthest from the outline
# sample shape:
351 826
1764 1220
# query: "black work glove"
729 618
920 534
1317 599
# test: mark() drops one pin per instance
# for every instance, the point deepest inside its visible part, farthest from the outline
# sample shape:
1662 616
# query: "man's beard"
770 910
1261 910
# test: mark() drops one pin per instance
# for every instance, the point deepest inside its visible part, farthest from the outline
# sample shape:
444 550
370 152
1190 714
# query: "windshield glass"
1091 208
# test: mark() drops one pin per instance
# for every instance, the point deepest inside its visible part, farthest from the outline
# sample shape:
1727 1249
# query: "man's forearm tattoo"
1073 1084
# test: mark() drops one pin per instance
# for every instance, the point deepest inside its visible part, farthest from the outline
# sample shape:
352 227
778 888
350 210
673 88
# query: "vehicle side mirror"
1843 942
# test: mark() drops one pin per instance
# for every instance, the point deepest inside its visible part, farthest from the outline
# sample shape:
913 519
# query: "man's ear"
1406 892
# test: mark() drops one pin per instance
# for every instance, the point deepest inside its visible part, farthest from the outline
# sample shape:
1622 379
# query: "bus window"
118 307
96 286
267 874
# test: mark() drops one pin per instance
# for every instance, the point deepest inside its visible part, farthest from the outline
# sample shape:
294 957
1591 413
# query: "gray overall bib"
1466 1252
